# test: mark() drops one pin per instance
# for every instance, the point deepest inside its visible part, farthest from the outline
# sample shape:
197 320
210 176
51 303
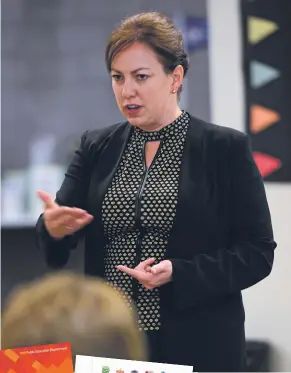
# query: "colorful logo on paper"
53 358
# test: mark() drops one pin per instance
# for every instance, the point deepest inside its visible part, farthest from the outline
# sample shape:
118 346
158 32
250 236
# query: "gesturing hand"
150 276
61 221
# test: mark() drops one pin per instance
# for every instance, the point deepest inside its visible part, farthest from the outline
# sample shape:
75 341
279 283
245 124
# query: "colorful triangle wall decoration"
260 28
262 74
262 118
265 62
266 163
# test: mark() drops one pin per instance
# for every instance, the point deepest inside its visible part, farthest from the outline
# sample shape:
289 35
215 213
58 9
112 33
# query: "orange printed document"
52 358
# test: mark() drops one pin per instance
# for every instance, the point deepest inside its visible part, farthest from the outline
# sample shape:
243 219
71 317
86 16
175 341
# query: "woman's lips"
132 109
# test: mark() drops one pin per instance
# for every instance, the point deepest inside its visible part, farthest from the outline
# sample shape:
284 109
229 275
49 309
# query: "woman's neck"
166 119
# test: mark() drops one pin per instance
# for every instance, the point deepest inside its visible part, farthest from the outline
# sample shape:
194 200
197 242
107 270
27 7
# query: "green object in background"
105 369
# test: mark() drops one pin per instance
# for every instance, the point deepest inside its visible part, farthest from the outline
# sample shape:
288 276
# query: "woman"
181 222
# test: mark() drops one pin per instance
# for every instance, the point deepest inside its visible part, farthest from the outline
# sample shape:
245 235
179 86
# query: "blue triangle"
262 74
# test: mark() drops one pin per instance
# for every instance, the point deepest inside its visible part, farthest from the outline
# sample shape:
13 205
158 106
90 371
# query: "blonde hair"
68 307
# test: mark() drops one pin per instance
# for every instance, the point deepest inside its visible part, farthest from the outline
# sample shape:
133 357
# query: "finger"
82 222
63 211
71 225
61 225
158 268
148 269
146 263
46 199
65 220
132 272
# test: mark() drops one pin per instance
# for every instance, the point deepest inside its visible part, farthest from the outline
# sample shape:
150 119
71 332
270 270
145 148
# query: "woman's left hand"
150 276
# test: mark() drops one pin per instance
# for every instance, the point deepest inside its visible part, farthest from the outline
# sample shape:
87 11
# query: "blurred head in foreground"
68 307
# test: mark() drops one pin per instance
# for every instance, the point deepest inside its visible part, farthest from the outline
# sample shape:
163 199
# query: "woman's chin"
136 121
140 119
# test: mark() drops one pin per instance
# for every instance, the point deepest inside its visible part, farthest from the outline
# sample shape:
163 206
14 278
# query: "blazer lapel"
191 178
106 165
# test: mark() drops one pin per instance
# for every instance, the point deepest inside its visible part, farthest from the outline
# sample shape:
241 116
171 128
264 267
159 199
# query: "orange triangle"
266 163
262 118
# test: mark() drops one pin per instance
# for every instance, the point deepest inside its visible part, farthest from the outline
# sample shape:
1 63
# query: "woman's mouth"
133 109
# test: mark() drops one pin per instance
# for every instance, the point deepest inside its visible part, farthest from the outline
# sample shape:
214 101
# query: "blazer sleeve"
73 192
249 257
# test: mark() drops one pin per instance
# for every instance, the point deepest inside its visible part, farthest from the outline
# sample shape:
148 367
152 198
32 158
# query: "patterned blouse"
138 213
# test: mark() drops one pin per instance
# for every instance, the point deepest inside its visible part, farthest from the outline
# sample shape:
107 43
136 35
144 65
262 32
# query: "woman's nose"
128 89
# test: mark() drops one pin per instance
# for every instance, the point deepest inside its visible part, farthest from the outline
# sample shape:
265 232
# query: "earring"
173 91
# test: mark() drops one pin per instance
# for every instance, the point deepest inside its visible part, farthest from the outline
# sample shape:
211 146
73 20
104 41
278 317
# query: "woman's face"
143 91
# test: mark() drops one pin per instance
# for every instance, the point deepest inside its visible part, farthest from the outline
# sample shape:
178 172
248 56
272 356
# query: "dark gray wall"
53 73
54 81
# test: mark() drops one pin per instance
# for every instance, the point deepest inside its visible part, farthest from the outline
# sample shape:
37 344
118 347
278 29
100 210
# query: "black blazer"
221 243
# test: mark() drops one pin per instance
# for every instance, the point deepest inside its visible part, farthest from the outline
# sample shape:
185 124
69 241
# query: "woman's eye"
142 76
116 77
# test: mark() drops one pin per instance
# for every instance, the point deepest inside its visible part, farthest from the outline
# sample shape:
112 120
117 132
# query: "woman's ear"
178 75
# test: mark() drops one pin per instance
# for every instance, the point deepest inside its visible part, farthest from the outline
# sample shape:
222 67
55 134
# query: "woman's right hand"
61 221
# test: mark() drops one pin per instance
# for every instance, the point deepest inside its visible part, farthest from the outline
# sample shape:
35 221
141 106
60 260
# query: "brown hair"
68 307
158 32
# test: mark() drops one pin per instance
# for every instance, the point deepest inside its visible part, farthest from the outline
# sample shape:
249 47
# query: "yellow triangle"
259 29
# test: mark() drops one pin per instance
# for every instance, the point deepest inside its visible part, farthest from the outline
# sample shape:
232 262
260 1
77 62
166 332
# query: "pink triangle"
266 163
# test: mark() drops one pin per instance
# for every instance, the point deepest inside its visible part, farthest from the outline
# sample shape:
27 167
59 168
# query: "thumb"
158 268
46 199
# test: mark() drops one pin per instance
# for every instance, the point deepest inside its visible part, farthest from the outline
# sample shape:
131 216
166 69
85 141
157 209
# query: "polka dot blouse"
138 213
